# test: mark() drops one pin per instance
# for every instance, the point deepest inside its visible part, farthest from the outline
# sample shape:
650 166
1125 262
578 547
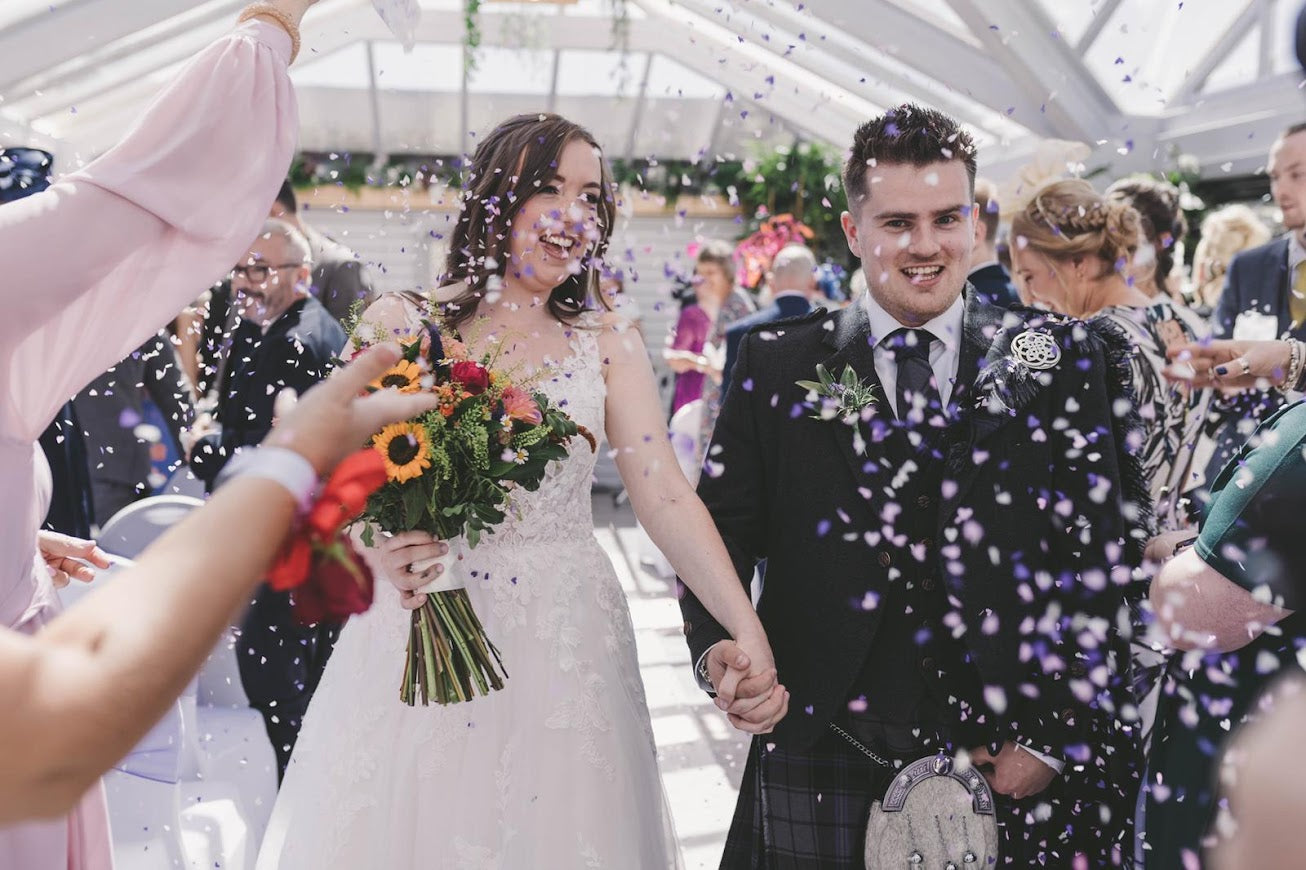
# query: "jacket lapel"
850 341
980 324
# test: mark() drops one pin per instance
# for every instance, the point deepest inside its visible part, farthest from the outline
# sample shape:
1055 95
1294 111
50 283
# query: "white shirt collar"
946 327
1296 252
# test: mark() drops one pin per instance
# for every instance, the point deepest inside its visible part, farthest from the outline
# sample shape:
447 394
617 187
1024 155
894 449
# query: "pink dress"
100 262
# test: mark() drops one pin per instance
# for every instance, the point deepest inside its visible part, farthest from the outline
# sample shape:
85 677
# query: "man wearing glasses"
284 339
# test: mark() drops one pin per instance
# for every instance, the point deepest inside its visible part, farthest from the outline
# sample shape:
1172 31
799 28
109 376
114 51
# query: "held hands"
1013 771
334 419
66 556
743 675
405 560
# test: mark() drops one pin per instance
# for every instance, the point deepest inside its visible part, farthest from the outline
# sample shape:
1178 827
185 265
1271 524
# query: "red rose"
472 376
335 590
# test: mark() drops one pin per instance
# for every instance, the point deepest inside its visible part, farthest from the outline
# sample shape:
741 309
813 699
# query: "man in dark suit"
793 284
285 339
112 406
987 274
945 563
1264 295
340 280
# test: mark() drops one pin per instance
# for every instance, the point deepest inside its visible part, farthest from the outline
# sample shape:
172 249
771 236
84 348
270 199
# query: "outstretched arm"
81 692
668 507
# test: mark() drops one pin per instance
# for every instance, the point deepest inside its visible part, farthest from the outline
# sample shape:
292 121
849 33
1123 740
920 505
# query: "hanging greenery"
802 181
472 29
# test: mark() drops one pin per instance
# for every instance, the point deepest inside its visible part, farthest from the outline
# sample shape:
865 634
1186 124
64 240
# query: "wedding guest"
80 693
340 278
1072 255
902 550
110 254
987 273
112 408
792 279
1226 232
1264 292
285 340
1232 599
27 171
1163 227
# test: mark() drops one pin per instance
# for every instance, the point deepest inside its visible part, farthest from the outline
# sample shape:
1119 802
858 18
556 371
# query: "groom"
943 555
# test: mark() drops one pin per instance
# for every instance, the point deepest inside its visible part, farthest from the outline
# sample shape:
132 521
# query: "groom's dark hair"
908 134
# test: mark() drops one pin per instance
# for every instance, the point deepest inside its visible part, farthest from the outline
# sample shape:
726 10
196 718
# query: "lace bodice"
560 509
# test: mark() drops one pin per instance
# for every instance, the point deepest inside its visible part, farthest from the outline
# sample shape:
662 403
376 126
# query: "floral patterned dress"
558 769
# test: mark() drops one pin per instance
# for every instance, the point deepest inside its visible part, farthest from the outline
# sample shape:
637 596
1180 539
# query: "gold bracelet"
254 10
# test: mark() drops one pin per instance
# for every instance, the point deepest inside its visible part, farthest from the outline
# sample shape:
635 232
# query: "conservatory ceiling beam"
80 27
1049 71
828 51
135 74
1101 18
1236 126
89 63
954 63
1218 53
820 109
641 103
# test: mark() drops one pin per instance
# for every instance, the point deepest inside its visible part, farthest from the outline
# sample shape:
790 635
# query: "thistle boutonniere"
846 398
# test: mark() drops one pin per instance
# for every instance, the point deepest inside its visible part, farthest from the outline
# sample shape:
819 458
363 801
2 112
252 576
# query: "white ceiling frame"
1219 53
1236 127
90 62
1047 69
802 100
1101 18
825 41
969 71
44 41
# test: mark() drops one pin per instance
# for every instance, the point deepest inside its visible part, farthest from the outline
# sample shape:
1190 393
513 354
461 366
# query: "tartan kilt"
808 811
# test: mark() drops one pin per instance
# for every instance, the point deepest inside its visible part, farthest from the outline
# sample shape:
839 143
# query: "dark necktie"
917 393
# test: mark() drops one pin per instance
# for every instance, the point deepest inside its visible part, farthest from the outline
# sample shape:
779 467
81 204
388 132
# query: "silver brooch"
1037 350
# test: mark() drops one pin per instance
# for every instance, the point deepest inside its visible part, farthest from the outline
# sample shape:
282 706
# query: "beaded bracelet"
254 10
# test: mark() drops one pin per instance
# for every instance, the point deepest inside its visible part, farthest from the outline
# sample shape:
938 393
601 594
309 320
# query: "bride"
558 769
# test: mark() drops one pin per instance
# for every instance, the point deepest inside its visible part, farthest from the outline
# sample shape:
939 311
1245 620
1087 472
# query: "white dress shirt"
945 350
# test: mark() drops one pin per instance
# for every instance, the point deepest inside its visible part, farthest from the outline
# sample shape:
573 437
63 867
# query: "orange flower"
520 405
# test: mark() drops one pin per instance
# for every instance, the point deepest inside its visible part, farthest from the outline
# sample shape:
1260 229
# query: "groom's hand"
753 701
1013 772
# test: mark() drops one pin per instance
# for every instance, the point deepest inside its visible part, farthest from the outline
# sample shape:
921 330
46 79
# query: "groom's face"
914 231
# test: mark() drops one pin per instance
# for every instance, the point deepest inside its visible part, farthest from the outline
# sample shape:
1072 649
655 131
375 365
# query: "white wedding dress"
557 770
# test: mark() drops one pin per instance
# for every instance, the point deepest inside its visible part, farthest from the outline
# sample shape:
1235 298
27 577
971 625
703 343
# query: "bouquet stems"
450 658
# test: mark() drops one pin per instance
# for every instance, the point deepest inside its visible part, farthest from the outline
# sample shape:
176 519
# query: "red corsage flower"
471 375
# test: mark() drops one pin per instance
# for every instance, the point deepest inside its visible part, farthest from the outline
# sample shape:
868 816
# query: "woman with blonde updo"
1073 253
1226 232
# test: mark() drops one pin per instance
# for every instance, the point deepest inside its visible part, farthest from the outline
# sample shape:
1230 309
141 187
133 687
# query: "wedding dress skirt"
557 770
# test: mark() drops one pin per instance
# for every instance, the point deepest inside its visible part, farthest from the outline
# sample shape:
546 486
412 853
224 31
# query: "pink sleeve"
692 329
113 252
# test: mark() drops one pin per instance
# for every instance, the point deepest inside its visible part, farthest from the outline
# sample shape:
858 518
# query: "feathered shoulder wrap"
1006 385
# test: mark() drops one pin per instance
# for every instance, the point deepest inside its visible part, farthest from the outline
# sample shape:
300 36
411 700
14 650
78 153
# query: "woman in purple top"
685 354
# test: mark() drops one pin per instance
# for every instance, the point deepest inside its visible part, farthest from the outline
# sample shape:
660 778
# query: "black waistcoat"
916 674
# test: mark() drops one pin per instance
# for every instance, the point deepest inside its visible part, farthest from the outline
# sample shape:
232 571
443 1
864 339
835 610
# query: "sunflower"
404 376
406 450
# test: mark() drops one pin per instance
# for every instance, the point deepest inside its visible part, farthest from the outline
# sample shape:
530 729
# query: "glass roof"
697 75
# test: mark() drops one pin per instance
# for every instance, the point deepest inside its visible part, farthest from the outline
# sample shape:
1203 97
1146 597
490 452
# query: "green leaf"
414 506
850 377
367 538
810 386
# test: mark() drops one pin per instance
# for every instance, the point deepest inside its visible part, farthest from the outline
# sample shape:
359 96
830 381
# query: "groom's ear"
850 233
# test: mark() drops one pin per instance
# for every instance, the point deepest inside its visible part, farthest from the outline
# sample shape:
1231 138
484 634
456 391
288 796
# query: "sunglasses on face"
259 274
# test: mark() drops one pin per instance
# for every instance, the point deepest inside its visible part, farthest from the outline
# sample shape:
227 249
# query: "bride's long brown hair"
509 165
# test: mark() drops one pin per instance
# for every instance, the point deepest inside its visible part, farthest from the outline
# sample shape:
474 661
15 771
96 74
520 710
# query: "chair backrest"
136 526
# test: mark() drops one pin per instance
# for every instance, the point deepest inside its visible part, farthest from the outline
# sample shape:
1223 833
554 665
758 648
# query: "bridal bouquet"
451 472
